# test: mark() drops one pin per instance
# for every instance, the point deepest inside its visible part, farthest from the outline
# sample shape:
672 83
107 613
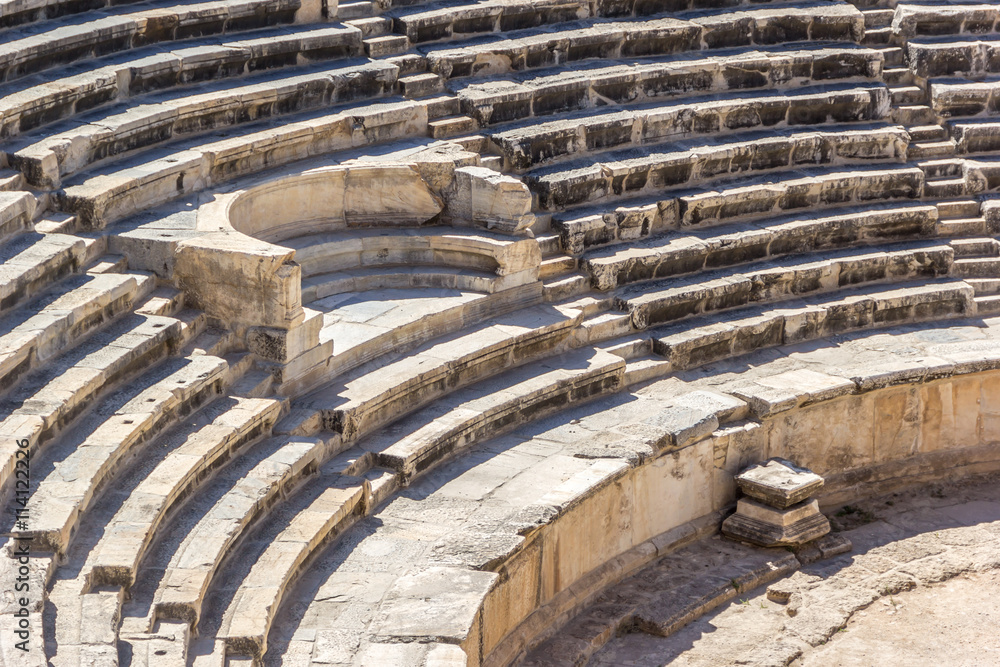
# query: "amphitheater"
417 333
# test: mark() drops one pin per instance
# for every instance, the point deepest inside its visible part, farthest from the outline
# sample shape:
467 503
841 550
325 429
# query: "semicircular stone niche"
391 333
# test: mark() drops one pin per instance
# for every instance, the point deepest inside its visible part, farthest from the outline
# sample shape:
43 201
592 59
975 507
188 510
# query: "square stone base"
766 526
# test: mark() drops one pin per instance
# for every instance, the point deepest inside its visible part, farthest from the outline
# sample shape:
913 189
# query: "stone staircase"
374 418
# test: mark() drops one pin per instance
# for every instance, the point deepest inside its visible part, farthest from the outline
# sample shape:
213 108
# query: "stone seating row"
814 20
90 458
632 172
103 197
661 36
943 19
740 200
43 406
975 136
664 301
55 43
41 100
30 262
558 91
744 330
45 161
693 250
59 319
527 145
979 56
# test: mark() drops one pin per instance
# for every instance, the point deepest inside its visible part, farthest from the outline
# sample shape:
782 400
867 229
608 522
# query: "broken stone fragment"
779 483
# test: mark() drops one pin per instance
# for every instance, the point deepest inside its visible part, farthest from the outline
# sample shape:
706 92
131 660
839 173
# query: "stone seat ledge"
404 276
683 164
533 143
543 92
116 557
31 262
50 43
62 319
374 394
743 330
17 210
45 99
67 492
955 97
913 20
683 252
45 162
980 135
187 577
114 356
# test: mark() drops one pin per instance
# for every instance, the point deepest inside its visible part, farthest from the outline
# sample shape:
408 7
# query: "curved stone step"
46 161
67 492
559 90
58 320
186 580
374 394
744 330
43 407
651 304
537 143
53 43
635 171
400 278
683 252
99 198
116 557
46 98
31 262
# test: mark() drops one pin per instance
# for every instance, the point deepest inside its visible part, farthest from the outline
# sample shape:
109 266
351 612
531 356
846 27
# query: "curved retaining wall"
864 435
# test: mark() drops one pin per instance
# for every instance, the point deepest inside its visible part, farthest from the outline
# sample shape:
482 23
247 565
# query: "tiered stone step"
206 444
690 251
59 319
791 22
530 144
87 459
54 43
106 196
551 91
633 172
778 194
372 396
45 161
558 45
189 574
959 98
49 401
31 262
658 303
741 331
46 98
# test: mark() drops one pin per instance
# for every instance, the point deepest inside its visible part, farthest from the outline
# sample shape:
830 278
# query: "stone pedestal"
778 510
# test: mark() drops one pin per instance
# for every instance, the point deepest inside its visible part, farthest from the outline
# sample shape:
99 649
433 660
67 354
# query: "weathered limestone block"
485 197
761 524
979 56
17 209
976 136
915 20
957 97
242 281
